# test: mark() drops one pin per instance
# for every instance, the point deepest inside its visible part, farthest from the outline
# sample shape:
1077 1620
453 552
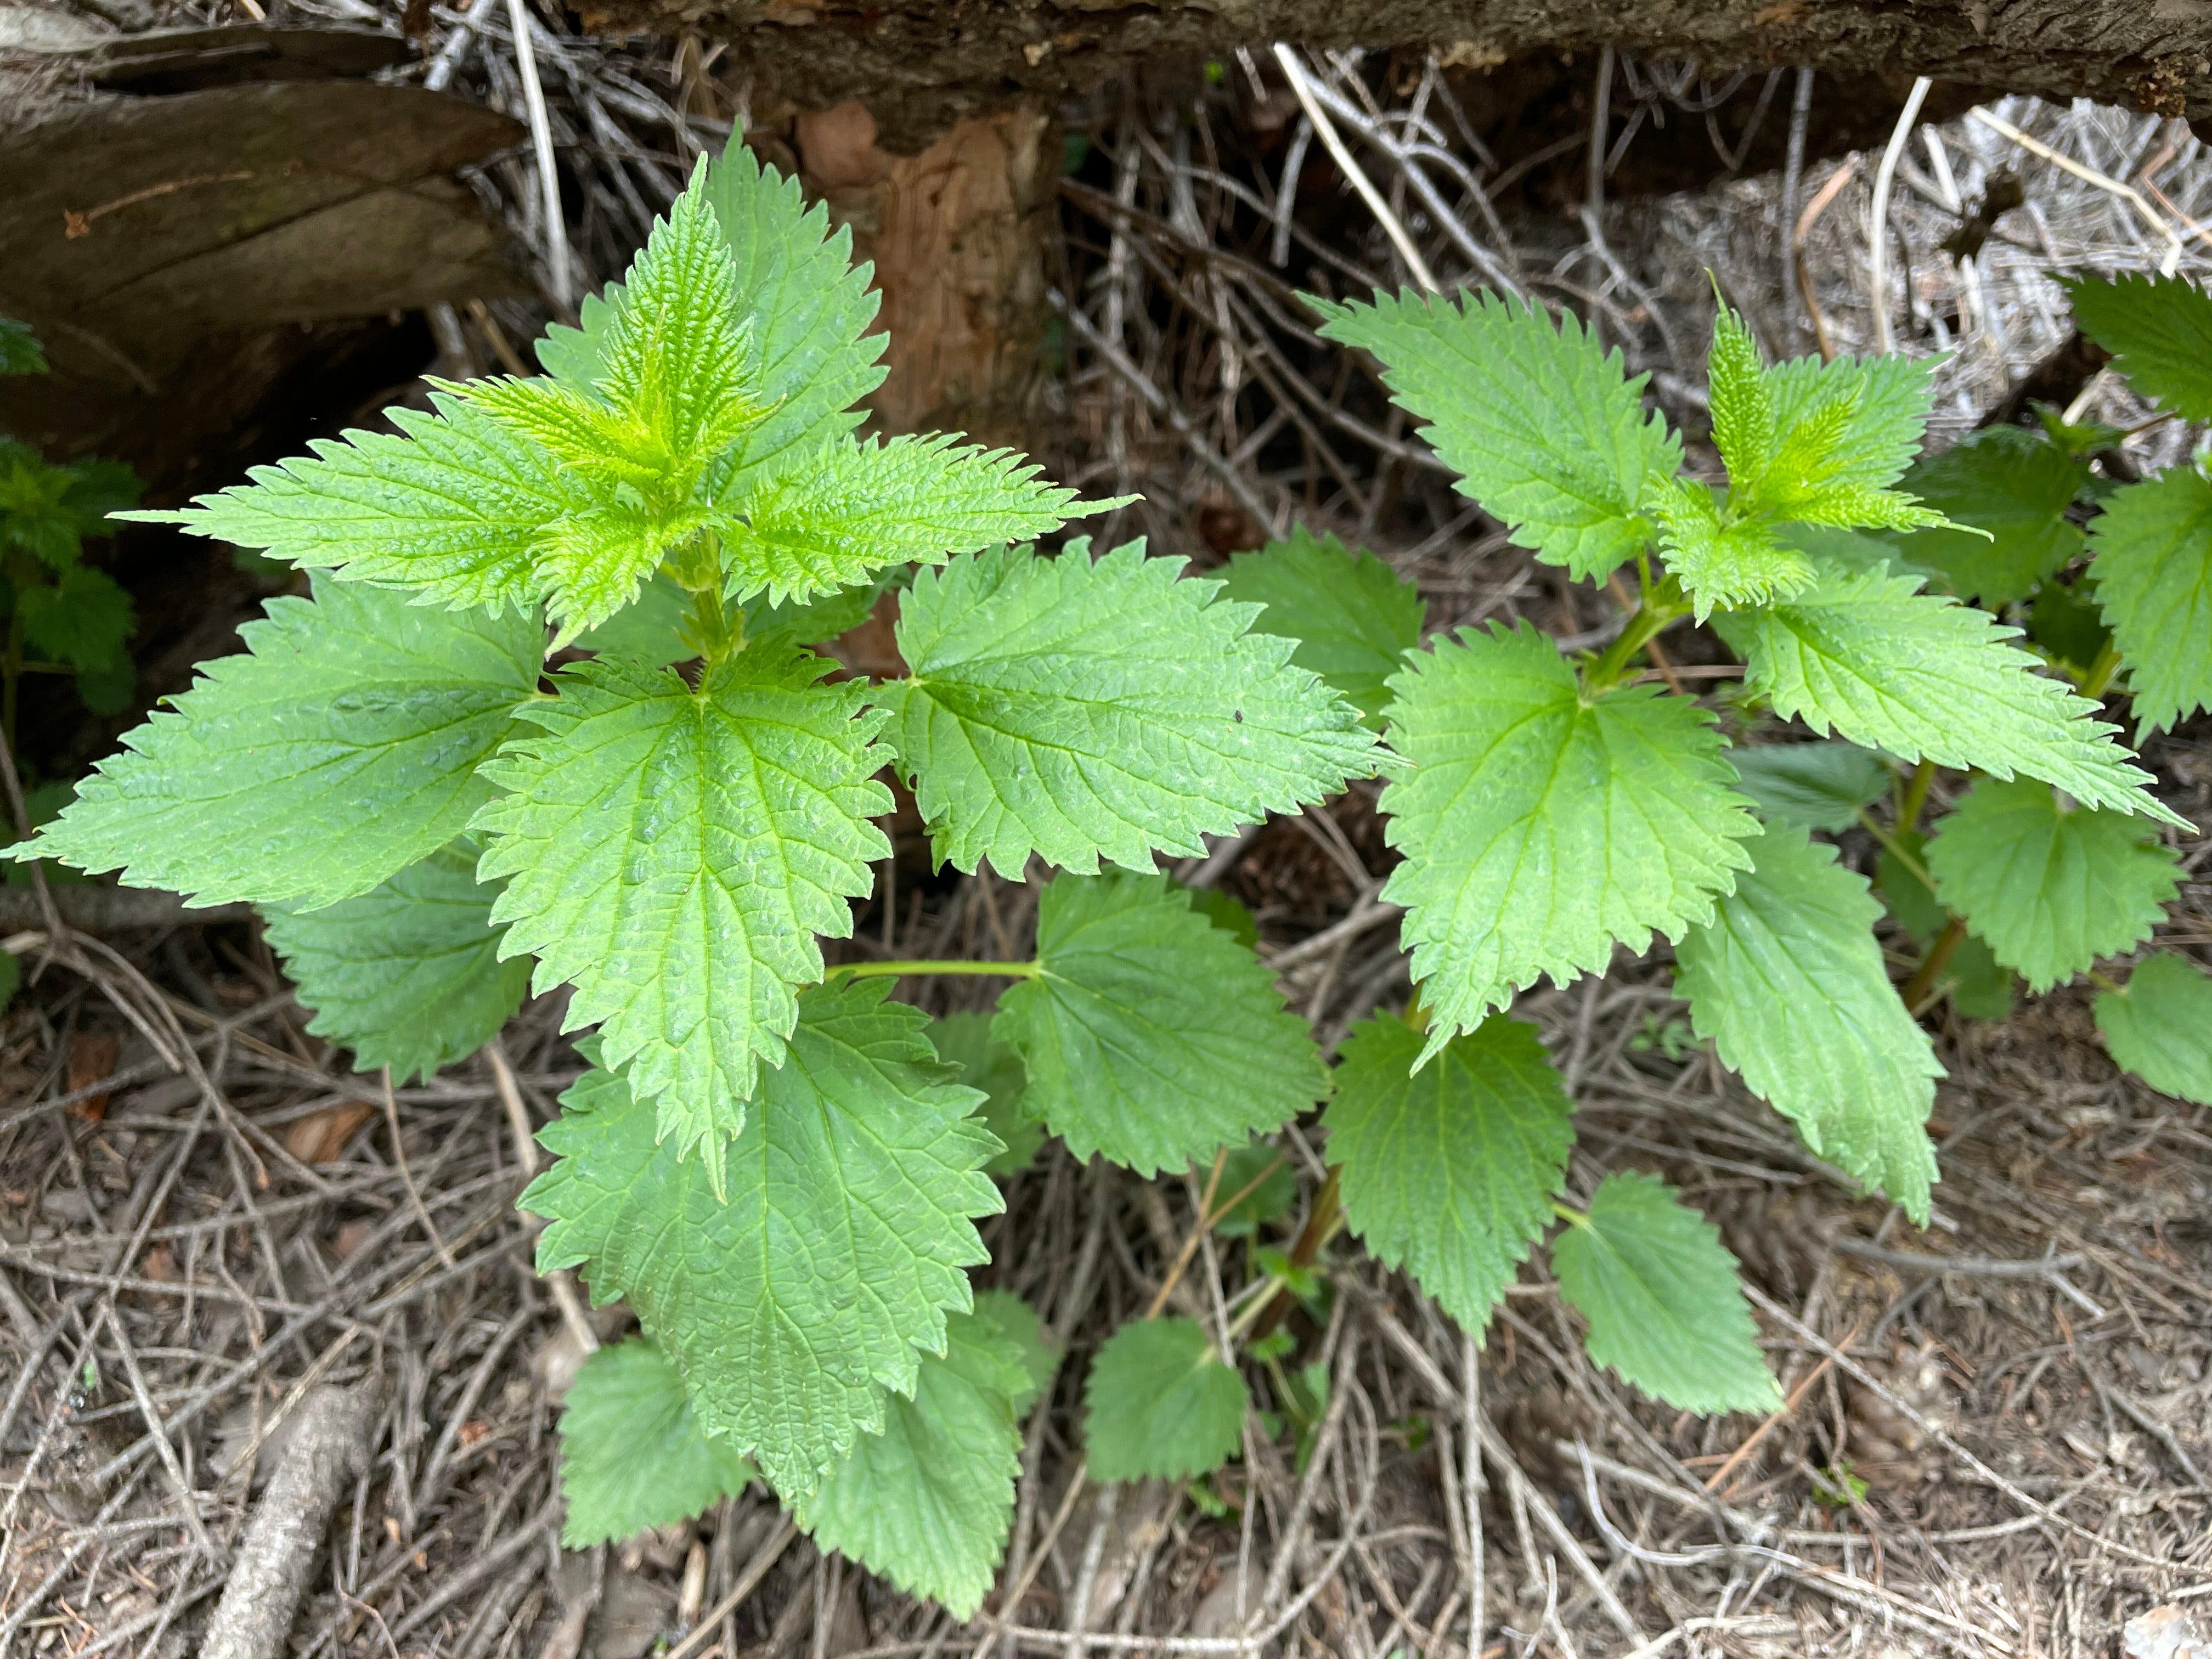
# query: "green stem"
1897 848
716 630
2106 982
1657 610
1915 796
1567 1213
2101 671
1938 956
1323 1224
900 970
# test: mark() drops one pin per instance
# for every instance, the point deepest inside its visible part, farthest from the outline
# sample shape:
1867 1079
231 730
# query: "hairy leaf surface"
1151 1035
1539 830
1541 422
1083 709
1788 982
1161 1405
1660 1294
842 1246
1450 1173
341 746
1867 654
2153 570
2052 886
1353 618
927 1503
408 973
633 1456
1722 561
2159 330
2158 1025
673 853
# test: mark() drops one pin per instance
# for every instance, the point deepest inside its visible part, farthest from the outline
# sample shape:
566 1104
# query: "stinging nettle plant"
779 1169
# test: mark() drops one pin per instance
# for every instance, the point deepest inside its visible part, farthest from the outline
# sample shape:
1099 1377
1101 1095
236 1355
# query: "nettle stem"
1916 797
1938 956
716 630
1659 608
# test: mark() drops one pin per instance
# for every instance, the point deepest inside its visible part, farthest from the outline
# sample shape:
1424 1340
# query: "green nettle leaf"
673 853
1540 421
1722 560
794 1304
1788 982
1867 654
1539 829
633 1456
84 619
1273 1189
2014 485
2160 1026
340 747
99 487
2154 571
35 512
928 1503
1083 709
2050 885
838 515
2159 330
592 564
1226 912
1450 1173
1660 1292
1354 616
1820 785
452 509
1160 1405
20 352
1018 1323
408 973
965 1039
1149 1034
1977 986
650 629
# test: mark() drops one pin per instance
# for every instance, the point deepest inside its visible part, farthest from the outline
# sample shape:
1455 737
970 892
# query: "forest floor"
1998 1430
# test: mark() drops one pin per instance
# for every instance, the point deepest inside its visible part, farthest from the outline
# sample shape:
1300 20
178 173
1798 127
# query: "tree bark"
924 64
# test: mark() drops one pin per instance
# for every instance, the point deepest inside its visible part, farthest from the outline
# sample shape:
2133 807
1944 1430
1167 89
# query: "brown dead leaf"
351 1238
162 1264
92 1060
473 1431
321 1137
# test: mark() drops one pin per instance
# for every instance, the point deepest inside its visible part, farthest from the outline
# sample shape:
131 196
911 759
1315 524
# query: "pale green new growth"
1789 983
450 510
1539 419
633 1456
2153 570
1161 1405
847 510
1540 829
1084 709
1868 655
841 1245
1720 559
408 973
1450 1173
929 1502
1353 618
1660 1292
673 853
1149 1034
340 747
1819 785
2160 1026
2050 885
2016 486
2159 330
985 1063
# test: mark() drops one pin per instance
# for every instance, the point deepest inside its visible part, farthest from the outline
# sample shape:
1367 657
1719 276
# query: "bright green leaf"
1543 423
1084 709
1540 829
1354 616
1856 421
649 629
928 1503
633 1456
1161 1405
1450 1173
2160 1026
1660 1294
2154 571
408 973
1789 983
2159 330
341 746
965 1039
847 510
2016 485
1820 785
673 853
1151 1035
1722 562
1866 654
2050 885
1226 912
848 1225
